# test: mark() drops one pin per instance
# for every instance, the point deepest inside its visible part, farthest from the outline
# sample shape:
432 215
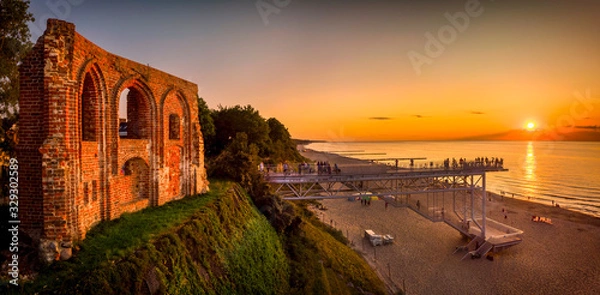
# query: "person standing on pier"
285 168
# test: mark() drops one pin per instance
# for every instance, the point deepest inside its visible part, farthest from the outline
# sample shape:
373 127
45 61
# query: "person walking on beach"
386 205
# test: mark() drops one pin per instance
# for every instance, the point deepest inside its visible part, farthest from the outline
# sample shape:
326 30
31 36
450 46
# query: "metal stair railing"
478 240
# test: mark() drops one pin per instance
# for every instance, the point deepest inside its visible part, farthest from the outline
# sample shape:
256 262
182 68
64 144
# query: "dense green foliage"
206 122
243 139
14 44
282 146
229 121
271 139
238 161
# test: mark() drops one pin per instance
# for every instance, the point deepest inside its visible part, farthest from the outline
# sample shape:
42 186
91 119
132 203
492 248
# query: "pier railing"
375 166
444 192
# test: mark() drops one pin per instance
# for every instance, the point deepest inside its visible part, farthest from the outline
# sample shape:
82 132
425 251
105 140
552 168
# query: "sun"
530 126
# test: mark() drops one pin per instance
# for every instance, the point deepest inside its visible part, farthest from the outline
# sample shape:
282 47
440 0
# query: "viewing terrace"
453 192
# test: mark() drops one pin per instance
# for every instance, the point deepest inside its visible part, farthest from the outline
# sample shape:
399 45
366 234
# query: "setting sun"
530 126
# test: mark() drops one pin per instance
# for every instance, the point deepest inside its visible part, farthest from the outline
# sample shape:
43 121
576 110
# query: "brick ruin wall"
76 169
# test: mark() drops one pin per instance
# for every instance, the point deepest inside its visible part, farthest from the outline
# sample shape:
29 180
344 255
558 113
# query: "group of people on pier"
463 163
304 168
325 168
322 167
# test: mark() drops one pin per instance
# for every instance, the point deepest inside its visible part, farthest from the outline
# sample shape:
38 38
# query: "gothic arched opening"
134 114
89 109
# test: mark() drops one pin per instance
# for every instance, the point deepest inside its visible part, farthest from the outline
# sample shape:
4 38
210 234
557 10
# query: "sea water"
548 172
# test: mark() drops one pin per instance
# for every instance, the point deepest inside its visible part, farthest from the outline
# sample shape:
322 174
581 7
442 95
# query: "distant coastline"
473 138
540 135
306 141
590 133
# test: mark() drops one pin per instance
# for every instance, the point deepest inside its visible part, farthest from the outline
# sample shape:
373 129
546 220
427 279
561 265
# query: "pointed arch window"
89 109
134 115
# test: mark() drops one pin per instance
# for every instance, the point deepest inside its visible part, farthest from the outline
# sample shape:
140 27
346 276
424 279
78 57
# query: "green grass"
216 243
253 257
119 238
322 263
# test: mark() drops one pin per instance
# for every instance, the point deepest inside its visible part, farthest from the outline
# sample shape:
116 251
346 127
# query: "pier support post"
484 197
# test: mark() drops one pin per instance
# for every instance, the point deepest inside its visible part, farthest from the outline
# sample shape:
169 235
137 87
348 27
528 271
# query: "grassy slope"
199 245
217 243
321 263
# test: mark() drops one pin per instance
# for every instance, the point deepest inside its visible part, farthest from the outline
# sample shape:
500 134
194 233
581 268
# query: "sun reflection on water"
530 164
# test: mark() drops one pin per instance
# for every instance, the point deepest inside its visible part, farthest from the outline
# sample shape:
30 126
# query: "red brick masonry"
75 168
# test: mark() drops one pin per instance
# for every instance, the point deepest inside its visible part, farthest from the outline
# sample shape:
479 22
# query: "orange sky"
342 70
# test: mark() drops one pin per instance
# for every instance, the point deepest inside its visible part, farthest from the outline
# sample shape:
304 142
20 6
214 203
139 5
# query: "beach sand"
558 258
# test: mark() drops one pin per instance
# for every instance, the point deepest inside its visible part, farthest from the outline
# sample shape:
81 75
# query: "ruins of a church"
85 154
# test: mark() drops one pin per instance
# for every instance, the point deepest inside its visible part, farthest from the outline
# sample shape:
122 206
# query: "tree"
282 146
14 45
241 139
278 131
229 121
206 122
238 161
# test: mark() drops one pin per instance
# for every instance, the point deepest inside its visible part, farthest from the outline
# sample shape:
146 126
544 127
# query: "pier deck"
455 196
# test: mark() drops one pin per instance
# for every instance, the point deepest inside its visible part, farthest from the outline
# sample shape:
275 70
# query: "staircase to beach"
481 251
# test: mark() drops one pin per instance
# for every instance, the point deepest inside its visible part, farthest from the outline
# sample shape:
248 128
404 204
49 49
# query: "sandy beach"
558 258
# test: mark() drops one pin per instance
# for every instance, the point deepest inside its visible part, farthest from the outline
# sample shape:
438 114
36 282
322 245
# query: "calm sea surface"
567 173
